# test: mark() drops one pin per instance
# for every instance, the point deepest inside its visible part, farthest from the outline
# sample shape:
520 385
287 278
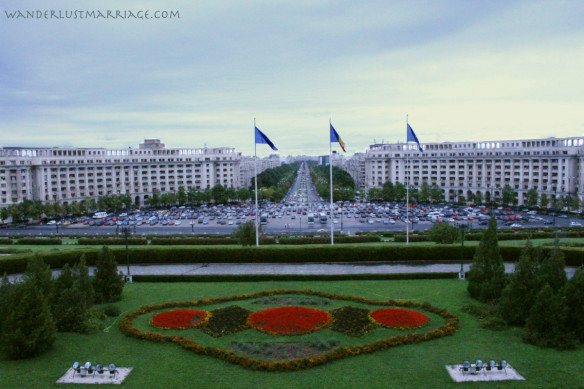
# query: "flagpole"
331 180
255 170
407 187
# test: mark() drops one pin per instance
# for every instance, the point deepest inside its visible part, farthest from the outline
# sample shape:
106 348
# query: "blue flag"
260 137
413 138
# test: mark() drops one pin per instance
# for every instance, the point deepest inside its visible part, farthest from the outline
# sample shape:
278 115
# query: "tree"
5 290
374 194
28 328
219 194
509 195
154 200
424 194
519 295
246 233
399 192
436 194
544 200
478 198
181 196
387 191
546 325
552 268
39 273
443 233
108 283
574 298
487 273
531 198
4 214
243 194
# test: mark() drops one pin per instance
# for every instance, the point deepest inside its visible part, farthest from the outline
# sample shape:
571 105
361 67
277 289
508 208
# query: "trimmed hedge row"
413 238
112 241
202 241
527 235
327 239
5 241
291 277
39 241
322 254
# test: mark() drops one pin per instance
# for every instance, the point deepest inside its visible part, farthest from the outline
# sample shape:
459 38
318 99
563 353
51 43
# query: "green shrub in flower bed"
327 239
39 241
202 241
112 241
5 241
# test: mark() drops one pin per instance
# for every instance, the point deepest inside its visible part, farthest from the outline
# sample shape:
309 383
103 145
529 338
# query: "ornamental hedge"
318 254
39 241
5 241
327 239
112 241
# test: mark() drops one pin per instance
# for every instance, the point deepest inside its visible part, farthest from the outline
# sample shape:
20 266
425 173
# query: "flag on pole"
336 138
413 138
260 137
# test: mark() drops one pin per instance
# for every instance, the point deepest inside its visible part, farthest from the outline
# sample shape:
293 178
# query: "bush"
443 233
246 234
68 305
108 283
5 241
412 238
28 328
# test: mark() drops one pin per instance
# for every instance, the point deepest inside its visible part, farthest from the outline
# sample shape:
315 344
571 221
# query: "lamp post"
127 231
463 228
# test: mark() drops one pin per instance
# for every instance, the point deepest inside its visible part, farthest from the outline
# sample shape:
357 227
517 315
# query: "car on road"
575 224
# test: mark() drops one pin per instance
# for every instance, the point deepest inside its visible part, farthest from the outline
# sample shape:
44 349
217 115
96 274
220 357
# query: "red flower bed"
289 320
399 318
179 318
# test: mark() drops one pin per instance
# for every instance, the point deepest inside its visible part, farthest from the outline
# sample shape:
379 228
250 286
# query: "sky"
464 70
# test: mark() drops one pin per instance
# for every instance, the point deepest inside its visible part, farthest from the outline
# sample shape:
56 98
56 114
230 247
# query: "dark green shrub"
108 283
5 241
28 328
246 234
40 274
443 233
412 238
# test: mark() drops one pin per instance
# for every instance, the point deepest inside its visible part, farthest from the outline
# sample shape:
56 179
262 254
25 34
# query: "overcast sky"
462 70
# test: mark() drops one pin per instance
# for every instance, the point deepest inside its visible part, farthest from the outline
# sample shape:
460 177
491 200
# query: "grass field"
412 366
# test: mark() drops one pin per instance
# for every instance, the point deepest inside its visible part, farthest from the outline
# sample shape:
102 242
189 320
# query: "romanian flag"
336 138
260 137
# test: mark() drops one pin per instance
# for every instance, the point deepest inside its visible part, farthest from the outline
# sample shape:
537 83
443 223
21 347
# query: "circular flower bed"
179 318
399 318
289 320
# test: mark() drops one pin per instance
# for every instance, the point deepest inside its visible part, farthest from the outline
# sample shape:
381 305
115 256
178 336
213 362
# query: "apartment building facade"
247 168
554 166
72 174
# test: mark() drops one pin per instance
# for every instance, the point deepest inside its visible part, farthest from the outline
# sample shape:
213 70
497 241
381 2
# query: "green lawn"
411 366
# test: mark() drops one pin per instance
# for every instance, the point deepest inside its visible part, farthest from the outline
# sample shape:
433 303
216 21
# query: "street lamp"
462 228
127 231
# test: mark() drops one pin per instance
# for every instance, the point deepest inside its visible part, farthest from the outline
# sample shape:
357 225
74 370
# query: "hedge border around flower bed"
449 328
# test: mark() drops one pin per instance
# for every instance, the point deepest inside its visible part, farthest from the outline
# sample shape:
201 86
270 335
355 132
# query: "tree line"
343 183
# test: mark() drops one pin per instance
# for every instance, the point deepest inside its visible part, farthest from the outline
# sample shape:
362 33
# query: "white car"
515 225
575 224
51 222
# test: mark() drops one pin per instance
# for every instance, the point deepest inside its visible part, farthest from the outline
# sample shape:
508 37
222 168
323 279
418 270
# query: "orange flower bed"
289 320
399 318
179 318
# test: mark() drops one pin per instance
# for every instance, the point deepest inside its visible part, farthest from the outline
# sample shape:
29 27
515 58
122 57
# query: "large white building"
72 174
552 166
